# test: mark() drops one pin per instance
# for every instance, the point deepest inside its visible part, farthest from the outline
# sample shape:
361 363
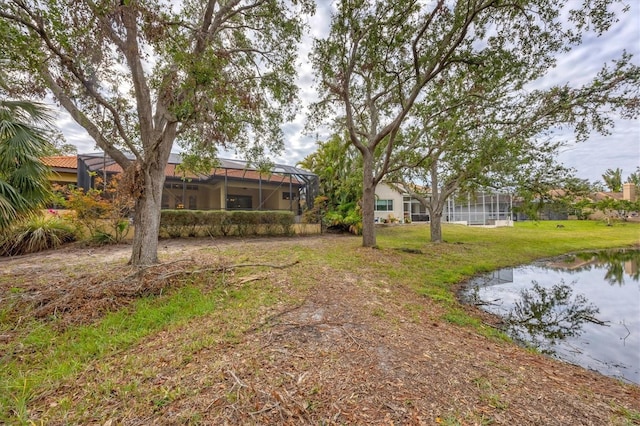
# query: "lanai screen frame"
456 205
308 182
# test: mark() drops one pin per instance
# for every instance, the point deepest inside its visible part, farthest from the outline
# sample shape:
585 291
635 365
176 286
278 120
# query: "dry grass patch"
340 337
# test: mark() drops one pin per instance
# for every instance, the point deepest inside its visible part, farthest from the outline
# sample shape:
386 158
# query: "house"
232 185
64 169
629 193
480 208
389 204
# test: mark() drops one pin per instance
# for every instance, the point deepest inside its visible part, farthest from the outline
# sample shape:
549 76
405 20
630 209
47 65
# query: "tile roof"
61 161
97 159
602 195
170 171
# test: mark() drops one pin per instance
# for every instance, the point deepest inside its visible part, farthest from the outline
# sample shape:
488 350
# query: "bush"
182 223
102 214
315 215
176 223
36 234
346 218
246 222
285 221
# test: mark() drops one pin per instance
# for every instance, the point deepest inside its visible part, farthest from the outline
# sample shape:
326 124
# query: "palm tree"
23 177
613 179
634 178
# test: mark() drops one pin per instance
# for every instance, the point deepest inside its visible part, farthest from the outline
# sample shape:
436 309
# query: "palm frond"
24 184
11 204
26 112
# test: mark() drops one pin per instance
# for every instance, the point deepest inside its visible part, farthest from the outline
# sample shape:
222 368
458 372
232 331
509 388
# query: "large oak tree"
384 64
140 75
478 132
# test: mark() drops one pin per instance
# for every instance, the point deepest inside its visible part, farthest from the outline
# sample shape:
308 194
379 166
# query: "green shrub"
223 223
36 234
181 223
346 218
246 222
176 223
101 237
285 220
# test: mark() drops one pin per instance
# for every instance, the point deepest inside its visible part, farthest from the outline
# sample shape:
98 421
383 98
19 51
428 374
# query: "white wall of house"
489 209
389 204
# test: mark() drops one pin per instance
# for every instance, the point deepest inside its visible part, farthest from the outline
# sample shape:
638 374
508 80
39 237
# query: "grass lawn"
43 354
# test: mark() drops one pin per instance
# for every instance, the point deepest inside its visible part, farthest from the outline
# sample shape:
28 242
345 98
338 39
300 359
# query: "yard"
300 330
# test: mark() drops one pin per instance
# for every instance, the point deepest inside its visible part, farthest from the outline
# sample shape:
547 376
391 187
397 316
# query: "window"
165 201
384 205
181 185
239 202
193 203
286 195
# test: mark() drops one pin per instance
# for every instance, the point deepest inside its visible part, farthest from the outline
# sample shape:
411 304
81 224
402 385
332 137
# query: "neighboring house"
481 208
629 193
64 169
392 205
562 211
389 204
233 185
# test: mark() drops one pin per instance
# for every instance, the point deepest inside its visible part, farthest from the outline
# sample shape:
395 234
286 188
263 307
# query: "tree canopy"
141 75
634 177
458 74
339 169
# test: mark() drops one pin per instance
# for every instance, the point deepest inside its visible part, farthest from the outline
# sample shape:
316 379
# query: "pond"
582 308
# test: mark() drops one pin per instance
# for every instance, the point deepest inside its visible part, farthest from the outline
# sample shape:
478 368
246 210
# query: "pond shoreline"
542 305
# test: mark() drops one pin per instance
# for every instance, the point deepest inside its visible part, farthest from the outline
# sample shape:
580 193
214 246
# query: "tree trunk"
150 179
435 226
368 202
436 204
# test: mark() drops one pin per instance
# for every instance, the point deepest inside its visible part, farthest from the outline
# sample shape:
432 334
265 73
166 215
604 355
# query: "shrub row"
193 223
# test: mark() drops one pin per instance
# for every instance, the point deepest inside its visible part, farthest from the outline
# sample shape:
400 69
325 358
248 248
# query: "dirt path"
355 350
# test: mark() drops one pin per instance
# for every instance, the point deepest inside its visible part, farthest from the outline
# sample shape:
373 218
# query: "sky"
620 149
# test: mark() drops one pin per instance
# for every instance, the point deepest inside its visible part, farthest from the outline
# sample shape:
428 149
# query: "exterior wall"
629 192
385 192
279 198
63 178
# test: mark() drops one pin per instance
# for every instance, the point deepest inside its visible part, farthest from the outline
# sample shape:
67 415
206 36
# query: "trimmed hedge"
196 223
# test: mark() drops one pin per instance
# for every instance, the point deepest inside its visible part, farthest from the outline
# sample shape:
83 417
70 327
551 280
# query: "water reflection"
618 263
543 317
583 308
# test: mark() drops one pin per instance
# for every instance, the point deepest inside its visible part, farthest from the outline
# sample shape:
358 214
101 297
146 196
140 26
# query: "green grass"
468 251
627 416
45 357
42 357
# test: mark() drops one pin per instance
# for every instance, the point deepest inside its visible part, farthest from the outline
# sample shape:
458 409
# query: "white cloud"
74 133
622 147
